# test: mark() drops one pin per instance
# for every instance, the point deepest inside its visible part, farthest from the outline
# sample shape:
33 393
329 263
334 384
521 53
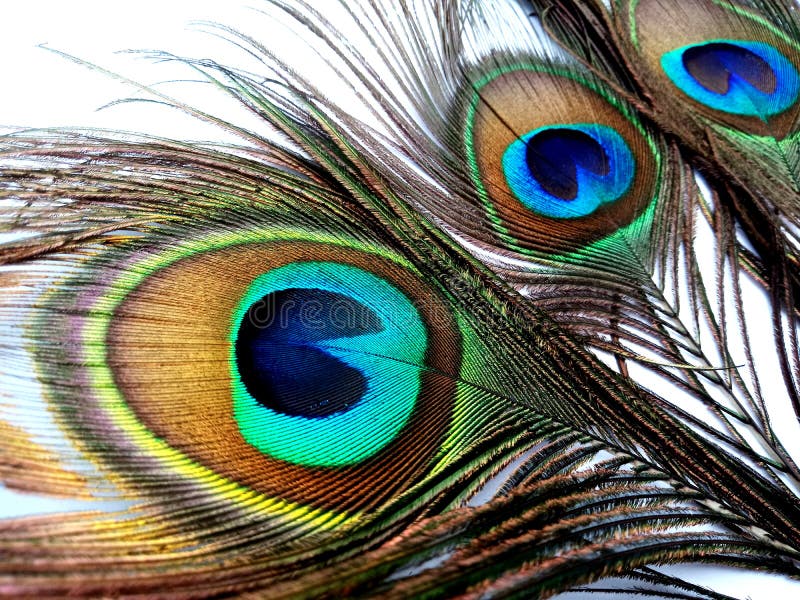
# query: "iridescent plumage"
299 363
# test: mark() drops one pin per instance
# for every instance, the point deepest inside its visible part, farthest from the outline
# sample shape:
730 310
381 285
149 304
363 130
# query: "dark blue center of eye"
712 65
554 155
279 358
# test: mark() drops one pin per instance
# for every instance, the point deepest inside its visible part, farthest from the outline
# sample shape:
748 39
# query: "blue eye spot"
569 171
280 355
734 76
327 361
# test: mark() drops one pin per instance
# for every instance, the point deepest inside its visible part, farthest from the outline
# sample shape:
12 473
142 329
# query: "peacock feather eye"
565 168
739 77
731 65
569 171
322 357
303 370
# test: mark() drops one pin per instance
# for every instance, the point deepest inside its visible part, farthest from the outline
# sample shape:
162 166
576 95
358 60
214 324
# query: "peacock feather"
509 309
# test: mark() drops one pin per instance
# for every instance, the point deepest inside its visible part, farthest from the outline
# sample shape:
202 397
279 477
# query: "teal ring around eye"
389 360
594 190
741 99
